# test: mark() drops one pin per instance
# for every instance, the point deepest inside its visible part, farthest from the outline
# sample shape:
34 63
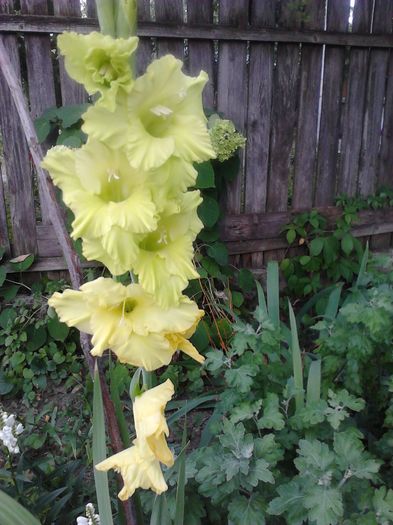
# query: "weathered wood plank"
71 92
41 84
283 116
232 86
170 11
200 53
258 116
385 174
53 24
263 226
338 13
353 110
376 85
16 158
91 9
307 125
144 51
373 116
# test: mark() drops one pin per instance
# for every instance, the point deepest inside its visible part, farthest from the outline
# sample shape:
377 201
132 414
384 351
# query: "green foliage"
61 126
264 457
34 347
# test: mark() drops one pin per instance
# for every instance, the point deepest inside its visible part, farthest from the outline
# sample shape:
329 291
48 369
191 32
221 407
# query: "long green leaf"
314 382
273 293
188 406
207 433
181 480
124 433
312 301
160 512
261 298
296 360
99 454
363 267
12 512
333 303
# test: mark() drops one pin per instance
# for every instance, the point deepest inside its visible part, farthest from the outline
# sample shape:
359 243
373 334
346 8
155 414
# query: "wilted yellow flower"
139 468
111 201
163 115
99 62
150 423
127 320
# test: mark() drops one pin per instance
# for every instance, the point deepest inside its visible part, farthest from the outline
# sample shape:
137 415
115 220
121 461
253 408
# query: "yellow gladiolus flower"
163 115
139 465
110 200
150 423
139 468
127 320
165 260
99 62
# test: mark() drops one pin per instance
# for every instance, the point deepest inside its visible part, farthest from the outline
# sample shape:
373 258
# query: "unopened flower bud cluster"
10 429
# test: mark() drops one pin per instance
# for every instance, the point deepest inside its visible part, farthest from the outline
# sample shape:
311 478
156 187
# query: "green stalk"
105 13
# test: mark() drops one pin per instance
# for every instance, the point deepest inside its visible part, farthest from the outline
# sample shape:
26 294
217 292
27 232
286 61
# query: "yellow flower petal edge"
150 423
99 62
127 320
139 469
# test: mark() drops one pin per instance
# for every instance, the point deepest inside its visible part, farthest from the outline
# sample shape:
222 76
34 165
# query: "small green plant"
62 126
35 347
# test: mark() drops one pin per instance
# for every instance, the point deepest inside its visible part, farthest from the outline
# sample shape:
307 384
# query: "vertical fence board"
338 14
232 85
4 240
201 53
144 51
353 110
170 11
307 127
376 85
385 174
71 92
258 115
91 9
284 114
16 158
378 69
41 85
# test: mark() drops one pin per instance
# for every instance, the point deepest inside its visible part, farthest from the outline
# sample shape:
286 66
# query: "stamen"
161 111
112 175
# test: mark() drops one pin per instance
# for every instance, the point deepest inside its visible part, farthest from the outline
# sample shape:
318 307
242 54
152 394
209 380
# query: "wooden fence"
309 82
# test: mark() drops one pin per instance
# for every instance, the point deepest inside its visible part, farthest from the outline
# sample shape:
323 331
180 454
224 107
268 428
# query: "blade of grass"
12 512
333 303
261 298
314 382
273 293
296 360
190 405
160 512
181 480
99 454
363 267
312 301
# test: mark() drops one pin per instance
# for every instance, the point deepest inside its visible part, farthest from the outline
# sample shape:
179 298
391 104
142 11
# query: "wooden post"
16 157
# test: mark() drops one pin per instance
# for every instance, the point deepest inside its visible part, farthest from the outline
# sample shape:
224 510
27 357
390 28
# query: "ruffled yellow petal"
138 467
180 343
149 351
106 126
93 250
72 309
150 423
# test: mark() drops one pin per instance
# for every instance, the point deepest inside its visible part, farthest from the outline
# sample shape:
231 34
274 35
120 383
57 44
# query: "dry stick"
71 257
